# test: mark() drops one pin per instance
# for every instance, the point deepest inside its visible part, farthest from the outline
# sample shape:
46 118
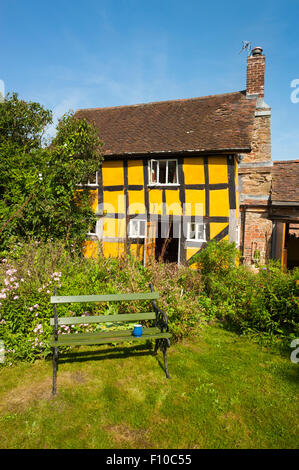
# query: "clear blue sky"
94 53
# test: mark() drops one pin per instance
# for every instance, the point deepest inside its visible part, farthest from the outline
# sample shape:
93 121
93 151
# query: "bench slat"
71 340
104 298
134 317
107 334
73 337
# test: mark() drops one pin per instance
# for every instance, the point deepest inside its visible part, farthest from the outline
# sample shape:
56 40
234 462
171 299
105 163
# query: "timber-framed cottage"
177 174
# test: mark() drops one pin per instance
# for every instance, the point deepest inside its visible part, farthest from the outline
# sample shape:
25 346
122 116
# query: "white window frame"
196 239
238 240
91 185
94 234
157 183
133 235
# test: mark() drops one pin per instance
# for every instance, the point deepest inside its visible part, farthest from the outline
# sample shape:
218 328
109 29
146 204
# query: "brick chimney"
255 73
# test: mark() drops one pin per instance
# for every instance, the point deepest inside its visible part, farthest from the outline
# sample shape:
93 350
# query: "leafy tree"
39 196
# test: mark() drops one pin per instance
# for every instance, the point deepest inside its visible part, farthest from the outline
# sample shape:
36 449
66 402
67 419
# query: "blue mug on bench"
137 330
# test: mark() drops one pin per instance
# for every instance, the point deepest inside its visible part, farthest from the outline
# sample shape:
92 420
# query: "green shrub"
264 304
27 281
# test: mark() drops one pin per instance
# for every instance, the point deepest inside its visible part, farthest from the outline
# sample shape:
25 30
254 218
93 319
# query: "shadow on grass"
107 353
122 352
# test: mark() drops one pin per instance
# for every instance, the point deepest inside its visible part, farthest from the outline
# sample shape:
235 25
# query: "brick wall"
257 235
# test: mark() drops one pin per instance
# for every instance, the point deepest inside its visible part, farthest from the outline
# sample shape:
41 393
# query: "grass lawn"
224 392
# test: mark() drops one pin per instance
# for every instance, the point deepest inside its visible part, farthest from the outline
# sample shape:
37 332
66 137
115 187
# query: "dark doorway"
167 242
292 245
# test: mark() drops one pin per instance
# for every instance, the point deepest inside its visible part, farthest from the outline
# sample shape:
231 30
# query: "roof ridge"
160 102
285 161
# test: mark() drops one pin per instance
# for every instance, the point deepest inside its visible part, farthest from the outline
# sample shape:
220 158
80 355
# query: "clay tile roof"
285 181
210 123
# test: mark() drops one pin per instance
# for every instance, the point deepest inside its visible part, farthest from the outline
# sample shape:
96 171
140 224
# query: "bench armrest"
161 317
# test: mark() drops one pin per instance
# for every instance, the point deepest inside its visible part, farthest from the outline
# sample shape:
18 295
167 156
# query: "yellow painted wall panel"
94 199
90 249
191 251
218 170
216 228
114 202
155 201
194 170
194 202
136 202
113 250
114 228
219 203
137 251
113 173
135 172
173 205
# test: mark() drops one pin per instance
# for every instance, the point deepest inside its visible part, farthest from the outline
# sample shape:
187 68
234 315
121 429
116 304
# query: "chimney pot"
257 51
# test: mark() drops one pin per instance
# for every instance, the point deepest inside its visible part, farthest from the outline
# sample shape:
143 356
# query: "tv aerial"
246 45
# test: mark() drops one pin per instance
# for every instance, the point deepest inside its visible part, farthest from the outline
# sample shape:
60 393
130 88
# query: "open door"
149 242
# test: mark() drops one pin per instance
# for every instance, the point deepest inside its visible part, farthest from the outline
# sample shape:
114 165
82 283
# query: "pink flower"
36 306
48 292
30 308
16 297
10 272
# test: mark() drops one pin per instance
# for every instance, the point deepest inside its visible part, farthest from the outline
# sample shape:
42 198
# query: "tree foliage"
39 196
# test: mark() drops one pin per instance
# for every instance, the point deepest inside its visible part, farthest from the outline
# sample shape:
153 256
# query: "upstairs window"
92 181
196 232
136 228
163 172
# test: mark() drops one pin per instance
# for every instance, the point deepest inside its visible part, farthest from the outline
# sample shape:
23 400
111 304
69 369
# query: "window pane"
133 231
162 172
92 179
142 228
200 232
172 172
154 171
93 228
192 231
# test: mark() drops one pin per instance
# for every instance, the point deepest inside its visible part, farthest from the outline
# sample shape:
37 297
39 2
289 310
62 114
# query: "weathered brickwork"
257 235
255 173
255 75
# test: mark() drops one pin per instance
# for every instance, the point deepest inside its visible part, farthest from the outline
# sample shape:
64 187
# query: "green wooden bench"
158 330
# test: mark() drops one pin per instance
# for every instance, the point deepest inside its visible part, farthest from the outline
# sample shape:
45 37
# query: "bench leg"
55 364
164 349
157 344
